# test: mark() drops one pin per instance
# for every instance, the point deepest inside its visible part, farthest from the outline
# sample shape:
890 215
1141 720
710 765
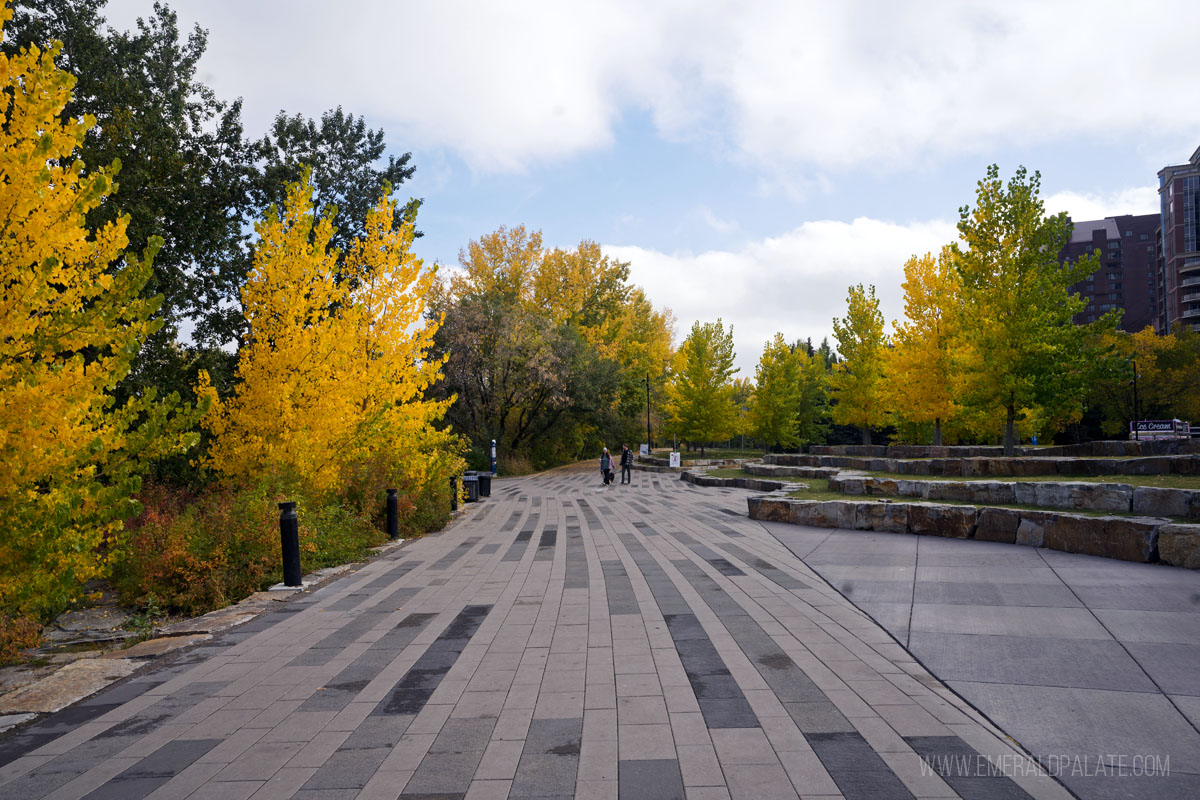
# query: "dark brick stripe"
549 760
965 769
66 767
412 692
355 761
577 566
857 770
721 700
621 599
516 551
321 652
154 770
340 690
546 545
767 569
455 554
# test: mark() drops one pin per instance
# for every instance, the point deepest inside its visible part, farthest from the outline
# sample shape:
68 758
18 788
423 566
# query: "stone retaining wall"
1143 539
1105 449
999 467
757 484
1115 497
776 471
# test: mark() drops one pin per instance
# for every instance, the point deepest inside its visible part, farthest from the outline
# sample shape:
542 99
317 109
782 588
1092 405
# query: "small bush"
17 634
198 552
195 553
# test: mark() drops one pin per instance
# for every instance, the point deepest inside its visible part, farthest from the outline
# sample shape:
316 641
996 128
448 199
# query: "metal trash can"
485 484
471 488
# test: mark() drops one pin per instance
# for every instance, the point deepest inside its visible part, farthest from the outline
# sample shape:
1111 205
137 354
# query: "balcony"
1194 281
1194 297
1192 313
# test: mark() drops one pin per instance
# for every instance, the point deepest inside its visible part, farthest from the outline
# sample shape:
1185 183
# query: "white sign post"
676 461
644 449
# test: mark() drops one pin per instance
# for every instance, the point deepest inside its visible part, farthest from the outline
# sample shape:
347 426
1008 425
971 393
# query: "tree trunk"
1010 434
866 435
937 432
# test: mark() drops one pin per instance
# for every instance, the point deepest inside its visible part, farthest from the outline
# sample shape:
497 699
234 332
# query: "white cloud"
716 223
1087 206
794 283
819 85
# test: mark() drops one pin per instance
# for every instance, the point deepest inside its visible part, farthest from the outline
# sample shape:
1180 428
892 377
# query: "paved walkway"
558 640
1091 658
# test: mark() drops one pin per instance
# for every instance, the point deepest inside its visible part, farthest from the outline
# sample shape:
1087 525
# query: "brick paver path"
558 640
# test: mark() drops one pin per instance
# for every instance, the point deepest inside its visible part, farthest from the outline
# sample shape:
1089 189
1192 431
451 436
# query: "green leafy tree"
700 396
1020 352
812 399
342 154
774 412
857 378
185 168
547 350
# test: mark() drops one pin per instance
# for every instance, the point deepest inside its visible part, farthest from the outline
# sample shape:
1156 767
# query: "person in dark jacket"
626 464
606 467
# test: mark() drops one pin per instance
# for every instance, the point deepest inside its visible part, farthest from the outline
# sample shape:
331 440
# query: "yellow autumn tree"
857 379
918 372
72 320
334 370
389 371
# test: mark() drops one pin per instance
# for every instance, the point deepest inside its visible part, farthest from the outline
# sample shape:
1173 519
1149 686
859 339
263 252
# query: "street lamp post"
648 442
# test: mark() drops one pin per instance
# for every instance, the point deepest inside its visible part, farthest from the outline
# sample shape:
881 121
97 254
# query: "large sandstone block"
1025 467
907 488
953 522
1031 531
1187 464
770 509
958 491
1153 465
1083 495
848 484
997 525
1126 538
1074 466
758 484
881 486
999 492
1166 502
888 517
1179 545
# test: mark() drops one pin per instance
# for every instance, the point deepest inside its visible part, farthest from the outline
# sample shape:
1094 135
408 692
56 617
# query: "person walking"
606 467
626 464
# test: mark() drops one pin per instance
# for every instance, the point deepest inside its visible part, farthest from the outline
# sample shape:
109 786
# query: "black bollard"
289 539
454 493
393 515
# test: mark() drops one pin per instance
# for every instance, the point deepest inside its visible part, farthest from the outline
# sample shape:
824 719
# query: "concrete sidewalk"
1072 655
559 640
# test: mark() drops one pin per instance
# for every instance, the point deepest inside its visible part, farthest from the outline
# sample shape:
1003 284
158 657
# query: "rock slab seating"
1140 539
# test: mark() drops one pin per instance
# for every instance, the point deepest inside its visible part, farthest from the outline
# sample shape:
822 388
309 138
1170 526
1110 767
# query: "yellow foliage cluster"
71 319
334 371
919 374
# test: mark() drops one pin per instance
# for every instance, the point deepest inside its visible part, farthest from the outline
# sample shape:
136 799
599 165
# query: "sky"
750 160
